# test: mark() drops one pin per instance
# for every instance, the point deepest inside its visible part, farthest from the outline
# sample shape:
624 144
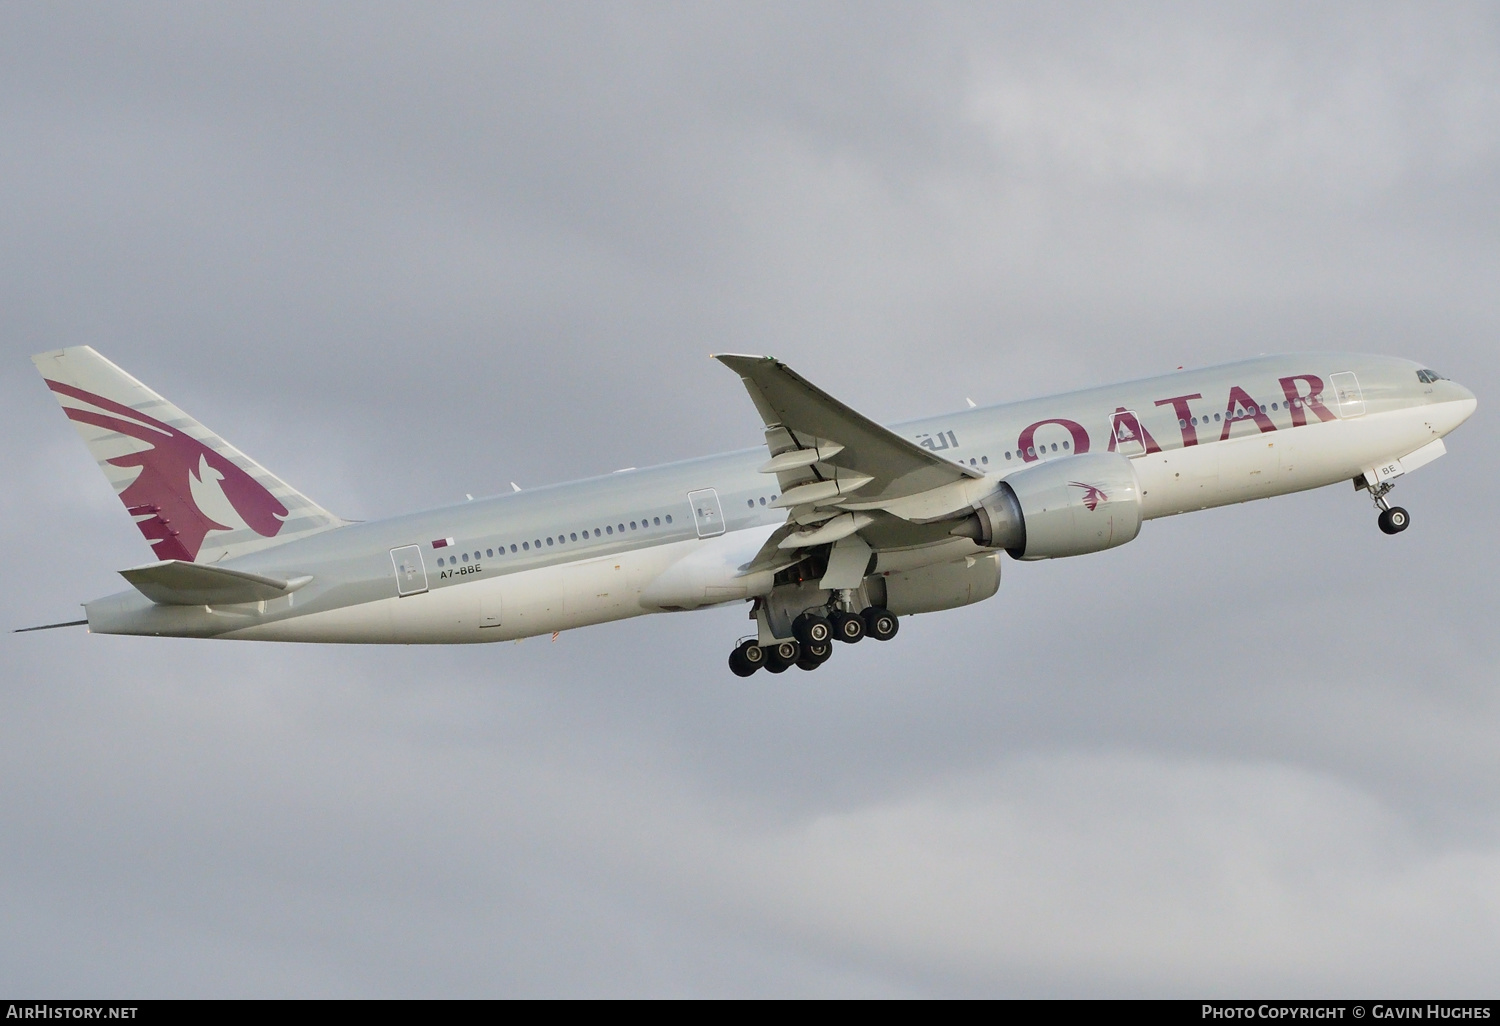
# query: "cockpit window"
1427 377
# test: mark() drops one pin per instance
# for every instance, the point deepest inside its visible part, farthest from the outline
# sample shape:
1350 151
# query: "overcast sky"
403 253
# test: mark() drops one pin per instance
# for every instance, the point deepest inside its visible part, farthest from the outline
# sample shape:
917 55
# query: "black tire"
746 659
848 627
881 624
810 629
782 655
1394 520
818 652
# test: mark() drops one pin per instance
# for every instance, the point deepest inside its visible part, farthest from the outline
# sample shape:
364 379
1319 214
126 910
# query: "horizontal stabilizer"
175 582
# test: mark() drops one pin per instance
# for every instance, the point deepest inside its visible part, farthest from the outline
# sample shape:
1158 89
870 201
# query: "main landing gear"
814 637
1393 519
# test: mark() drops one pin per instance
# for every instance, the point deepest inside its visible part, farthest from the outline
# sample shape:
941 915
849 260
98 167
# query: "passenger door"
411 574
1125 426
707 515
1346 393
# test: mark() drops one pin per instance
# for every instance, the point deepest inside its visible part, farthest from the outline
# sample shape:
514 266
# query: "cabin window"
1031 450
549 541
440 561
526 546
620 528
656 521
985 460
609 530
572 536
1066 445
1216 418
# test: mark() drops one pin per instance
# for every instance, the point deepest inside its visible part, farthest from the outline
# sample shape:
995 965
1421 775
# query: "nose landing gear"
1392 519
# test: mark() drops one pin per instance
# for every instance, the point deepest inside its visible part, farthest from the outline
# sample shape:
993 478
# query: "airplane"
831 532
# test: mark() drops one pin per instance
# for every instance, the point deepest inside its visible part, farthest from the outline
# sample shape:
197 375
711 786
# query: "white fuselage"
674 537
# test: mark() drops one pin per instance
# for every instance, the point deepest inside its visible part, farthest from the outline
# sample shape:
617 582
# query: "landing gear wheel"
848 627
814 655
880 624
811 629
1394 520
746 659
782 655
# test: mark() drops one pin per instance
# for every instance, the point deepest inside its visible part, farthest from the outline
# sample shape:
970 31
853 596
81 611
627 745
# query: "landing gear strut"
1393 519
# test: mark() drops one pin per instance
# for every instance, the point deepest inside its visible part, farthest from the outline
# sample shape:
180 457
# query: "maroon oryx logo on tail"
162 493
1092 496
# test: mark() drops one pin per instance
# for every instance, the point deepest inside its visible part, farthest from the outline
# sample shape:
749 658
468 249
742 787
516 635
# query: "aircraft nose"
1463 401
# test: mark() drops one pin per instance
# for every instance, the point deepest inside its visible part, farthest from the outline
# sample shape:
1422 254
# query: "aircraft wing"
837 468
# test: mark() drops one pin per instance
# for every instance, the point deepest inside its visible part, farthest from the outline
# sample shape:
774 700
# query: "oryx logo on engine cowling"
161 496
1092 496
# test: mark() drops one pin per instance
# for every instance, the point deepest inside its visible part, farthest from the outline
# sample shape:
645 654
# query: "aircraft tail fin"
194 496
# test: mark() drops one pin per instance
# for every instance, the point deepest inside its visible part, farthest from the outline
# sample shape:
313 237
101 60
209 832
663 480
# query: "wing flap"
175 582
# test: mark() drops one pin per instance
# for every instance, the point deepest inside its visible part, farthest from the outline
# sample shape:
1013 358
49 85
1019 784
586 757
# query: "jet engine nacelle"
1063 507
928 589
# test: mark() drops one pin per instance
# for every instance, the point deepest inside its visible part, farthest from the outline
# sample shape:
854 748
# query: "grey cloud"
403 253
